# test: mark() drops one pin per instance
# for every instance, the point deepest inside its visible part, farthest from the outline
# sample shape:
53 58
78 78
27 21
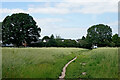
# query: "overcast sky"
66 18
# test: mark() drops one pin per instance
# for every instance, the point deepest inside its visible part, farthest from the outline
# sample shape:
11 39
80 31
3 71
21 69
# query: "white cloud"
47 24
31 0
113 23
69 7
9 11
49 10
90 7
49 27
72 33
91 1
64 32
48 21
60 0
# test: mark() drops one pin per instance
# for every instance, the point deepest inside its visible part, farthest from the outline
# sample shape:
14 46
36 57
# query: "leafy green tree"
67 43
18 28
112 44
83 38
59 43
46 43
99 34
116 39
70 43
45 38
0 32
52 37
84 44
52 41
0 27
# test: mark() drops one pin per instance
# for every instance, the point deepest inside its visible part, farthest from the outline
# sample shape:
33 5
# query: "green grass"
99 63
35 62
48 62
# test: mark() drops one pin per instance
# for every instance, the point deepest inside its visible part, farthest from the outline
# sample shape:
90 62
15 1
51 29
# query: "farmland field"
48 62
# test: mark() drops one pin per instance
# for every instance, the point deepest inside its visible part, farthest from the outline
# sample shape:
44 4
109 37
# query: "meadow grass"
96 63
48 62
35 62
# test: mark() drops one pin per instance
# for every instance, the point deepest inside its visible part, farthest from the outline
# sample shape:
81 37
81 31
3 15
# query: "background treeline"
21 30
80 43
54 42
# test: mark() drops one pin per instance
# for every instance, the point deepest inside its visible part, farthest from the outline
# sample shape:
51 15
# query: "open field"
48 62
35 62
98 63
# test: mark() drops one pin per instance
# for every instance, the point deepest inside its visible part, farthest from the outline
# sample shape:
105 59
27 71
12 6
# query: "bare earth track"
64 68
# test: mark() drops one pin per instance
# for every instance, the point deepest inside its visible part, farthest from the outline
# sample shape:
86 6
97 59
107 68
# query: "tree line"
21 28
79 43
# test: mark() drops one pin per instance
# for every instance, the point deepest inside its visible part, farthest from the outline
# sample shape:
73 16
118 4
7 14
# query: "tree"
116 39
99 34
52 41
19 28
52 37
0 32
59 43
112 44
0 26
84 44
45 38
70 43
83 38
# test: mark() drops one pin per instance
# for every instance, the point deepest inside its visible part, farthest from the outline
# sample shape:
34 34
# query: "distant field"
48 62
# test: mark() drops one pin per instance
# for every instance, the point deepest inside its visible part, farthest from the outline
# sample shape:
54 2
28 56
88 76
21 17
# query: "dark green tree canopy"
99 34
52 37
18 28
116 40
52 41
45 38
83 38
0 27
0 32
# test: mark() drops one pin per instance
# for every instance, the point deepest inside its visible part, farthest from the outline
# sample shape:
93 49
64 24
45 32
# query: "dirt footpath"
64 68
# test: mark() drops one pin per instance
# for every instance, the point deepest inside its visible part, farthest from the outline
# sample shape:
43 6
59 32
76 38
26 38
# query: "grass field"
35 62
98 63
48 62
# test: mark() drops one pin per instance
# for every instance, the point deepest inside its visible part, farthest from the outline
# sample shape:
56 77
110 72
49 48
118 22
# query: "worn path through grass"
64 68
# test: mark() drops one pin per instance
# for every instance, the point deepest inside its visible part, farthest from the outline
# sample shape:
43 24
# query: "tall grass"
97 63
48 62
35 62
